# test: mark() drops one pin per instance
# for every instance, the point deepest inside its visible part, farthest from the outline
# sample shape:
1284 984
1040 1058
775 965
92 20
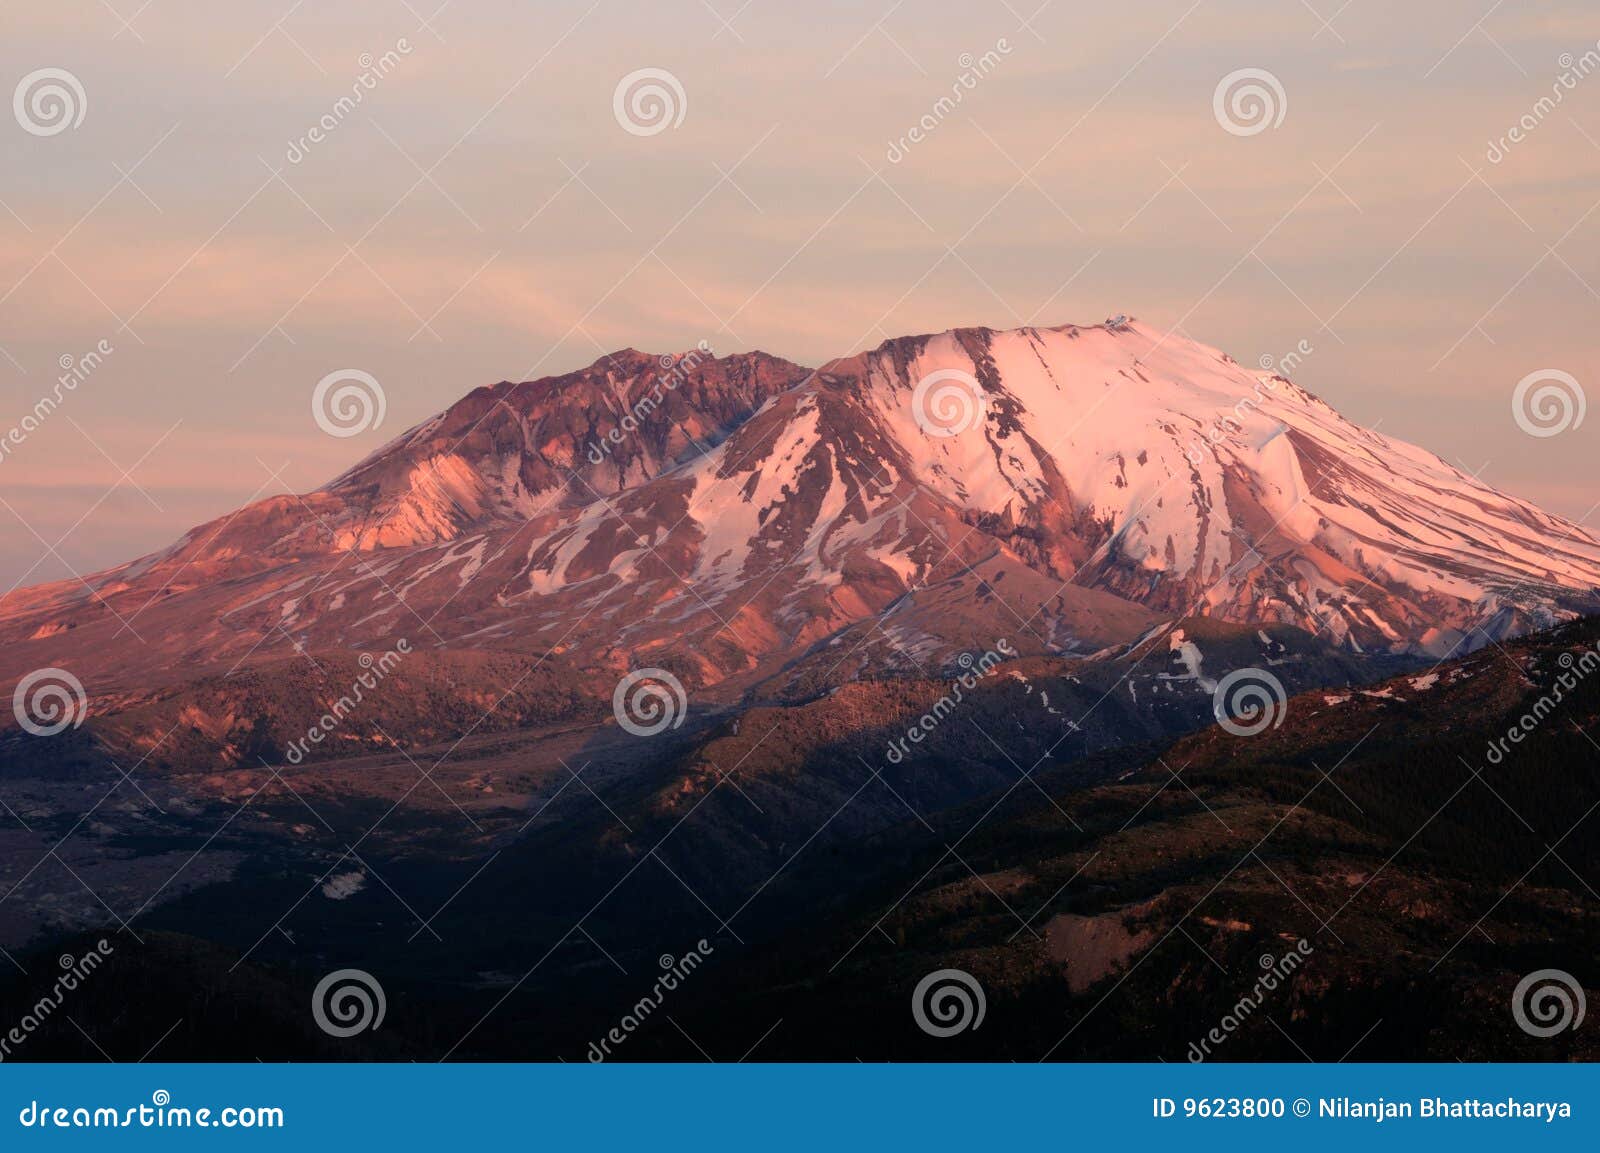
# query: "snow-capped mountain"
1068 489
1202 487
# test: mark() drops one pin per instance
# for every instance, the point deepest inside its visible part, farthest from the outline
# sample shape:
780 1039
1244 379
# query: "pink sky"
482 214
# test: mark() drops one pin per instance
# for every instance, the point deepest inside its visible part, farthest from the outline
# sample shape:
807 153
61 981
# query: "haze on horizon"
482 214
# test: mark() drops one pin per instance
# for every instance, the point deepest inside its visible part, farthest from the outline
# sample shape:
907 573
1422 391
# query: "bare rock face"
1068 489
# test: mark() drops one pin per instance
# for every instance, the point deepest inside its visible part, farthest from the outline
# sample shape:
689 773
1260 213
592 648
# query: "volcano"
1067 488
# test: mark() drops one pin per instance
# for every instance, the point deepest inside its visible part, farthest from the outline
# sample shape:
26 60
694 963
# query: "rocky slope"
1068 489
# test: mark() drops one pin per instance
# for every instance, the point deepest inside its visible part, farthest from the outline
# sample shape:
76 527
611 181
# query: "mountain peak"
1068 488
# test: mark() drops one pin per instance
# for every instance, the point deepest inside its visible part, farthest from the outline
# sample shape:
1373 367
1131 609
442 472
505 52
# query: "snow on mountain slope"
1205 487
514 450
1066 489
500 455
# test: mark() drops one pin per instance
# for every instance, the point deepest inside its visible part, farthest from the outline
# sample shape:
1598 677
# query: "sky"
222 224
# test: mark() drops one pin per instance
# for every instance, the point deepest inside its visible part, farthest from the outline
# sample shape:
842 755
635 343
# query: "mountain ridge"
1115 476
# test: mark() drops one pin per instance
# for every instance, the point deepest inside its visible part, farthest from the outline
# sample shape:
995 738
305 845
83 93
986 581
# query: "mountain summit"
1068 488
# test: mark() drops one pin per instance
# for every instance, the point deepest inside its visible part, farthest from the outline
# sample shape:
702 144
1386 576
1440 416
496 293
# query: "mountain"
953 616
1419 862
1114 906
1065 488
